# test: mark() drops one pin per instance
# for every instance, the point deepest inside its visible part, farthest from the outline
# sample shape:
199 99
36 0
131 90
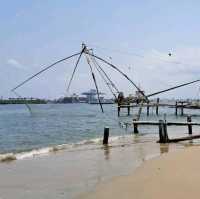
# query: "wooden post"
181 108
176 111
189 119
157 105
106 136
118 110
128 109
135 127
163 132
148 108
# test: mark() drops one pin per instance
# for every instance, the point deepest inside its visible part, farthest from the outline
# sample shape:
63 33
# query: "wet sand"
173 175
67 174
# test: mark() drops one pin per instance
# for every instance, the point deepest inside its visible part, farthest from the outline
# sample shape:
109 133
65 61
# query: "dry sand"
173 175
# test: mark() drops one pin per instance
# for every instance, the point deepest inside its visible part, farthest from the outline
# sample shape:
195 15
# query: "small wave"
7 157
91 144
34 152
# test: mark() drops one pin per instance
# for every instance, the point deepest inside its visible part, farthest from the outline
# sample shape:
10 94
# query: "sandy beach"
68 174
173 175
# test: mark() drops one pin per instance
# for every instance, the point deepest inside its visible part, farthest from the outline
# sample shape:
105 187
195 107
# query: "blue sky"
35 33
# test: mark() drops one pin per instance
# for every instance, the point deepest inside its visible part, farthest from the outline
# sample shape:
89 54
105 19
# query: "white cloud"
15 63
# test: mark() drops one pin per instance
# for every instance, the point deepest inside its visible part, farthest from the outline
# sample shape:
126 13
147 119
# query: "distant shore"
173 175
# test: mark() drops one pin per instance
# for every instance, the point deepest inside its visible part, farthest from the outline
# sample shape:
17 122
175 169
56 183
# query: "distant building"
91 96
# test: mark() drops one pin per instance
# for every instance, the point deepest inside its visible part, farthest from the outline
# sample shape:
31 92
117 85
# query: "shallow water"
57 126
68 174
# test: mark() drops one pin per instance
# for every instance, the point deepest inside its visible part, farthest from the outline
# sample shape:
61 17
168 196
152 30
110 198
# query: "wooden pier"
179 107
162 127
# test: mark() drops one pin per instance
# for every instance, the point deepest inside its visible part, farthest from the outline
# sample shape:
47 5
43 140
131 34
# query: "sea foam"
95 143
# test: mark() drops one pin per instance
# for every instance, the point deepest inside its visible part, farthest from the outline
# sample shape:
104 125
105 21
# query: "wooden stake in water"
157 105
189 120
135 127
106 136
163 132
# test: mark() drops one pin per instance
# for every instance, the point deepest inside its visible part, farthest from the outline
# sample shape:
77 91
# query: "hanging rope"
113 66
46 68
94 79
27 105
77 62
104 79
111 82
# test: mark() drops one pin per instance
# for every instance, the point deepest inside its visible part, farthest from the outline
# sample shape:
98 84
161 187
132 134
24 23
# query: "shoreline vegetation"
65 100
70 100
22 101
172 175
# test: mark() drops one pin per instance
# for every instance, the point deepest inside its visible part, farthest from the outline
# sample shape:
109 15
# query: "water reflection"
107 152
164 148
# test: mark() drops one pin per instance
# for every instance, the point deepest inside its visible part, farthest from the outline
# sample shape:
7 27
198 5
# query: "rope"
76 65
172 88
94 79
113 66
46 68
111 83
104 79
27 105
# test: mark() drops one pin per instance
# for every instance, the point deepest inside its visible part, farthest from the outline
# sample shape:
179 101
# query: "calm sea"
66 125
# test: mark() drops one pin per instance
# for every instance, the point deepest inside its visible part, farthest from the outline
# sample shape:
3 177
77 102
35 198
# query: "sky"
136 36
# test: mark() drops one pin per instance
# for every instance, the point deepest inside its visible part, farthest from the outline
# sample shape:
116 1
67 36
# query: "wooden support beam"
128 110
105 135
147 108
163 132
135 127
182 109
118 110
157 105
191 137
176 108
189 120
155 123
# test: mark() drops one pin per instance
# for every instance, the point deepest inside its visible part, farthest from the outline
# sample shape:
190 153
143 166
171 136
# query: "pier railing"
179 106
162 127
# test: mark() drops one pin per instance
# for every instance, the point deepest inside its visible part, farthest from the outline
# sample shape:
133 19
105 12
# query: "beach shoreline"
67 174
172 175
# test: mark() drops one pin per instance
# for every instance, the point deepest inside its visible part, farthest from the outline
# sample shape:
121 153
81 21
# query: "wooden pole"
118 110
106 136
181 108
176 111
147 108
135 127
189 120
157 105
191 137
128 109
163 132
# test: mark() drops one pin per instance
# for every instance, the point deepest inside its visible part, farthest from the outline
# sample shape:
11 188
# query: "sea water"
61 126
